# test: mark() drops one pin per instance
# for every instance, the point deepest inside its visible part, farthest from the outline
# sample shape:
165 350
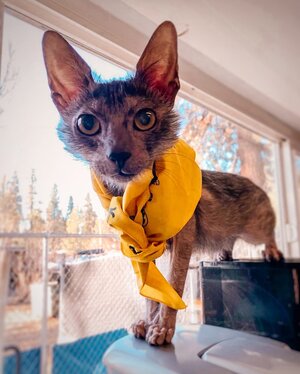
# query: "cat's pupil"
145 118
88 121
87 124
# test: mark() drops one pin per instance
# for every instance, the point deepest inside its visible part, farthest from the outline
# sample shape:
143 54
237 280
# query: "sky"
28 138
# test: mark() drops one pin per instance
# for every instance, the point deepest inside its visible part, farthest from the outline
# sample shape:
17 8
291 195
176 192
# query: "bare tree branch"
8 82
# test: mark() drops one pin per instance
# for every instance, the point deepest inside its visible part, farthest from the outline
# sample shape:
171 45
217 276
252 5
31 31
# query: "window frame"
296 154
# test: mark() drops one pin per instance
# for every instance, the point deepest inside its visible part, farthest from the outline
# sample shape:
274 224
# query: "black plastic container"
254 296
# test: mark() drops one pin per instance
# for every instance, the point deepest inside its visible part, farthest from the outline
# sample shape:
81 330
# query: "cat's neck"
115 189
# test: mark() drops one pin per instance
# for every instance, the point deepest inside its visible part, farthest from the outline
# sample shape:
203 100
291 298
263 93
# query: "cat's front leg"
140 328
159 325
162 327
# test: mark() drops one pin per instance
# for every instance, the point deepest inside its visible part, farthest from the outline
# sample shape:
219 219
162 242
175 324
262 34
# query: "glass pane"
31 154
221 145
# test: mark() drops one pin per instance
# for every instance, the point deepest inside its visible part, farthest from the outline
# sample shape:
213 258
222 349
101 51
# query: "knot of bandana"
153 209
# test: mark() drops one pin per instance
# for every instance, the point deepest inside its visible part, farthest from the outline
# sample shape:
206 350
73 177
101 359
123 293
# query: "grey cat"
121 127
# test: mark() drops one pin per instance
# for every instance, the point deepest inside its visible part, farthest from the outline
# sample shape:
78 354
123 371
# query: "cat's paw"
159 335
139 329
224 255
271 253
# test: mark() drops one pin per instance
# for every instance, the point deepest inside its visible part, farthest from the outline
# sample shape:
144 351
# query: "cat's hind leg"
260 229
271 252
224 255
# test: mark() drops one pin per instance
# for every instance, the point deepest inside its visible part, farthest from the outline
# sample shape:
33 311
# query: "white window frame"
73 19
296 153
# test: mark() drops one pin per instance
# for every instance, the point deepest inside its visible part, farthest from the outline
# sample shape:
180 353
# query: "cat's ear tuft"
158 65
69 77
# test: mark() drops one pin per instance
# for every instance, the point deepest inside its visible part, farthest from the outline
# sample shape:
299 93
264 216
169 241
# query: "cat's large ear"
158 65
69 76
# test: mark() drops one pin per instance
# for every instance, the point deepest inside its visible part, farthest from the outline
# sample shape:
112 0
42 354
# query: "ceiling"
252 47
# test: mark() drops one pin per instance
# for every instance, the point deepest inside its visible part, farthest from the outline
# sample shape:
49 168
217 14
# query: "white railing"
45 236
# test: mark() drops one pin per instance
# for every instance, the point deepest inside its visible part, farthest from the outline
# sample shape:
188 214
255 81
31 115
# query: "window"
222 145
89 303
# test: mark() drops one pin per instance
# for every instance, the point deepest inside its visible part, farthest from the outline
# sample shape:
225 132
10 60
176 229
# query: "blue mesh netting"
29 363
85 355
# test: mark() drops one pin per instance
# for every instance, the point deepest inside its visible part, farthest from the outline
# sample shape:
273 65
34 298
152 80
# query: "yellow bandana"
154 208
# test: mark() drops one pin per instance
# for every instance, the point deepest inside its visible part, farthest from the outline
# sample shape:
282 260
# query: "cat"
121 127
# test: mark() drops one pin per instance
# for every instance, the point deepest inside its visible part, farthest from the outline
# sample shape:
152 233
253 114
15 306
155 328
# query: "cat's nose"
119 158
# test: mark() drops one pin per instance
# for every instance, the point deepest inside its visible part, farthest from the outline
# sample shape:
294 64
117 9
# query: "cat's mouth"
125 174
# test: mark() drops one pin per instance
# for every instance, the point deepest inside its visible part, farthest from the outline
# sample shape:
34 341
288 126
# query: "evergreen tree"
89 223
70 207
73 224
17 196
36 222
89 217
11 217
10 205
55 220
32 191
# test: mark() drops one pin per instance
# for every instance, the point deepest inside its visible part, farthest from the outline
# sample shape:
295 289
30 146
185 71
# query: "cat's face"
119 128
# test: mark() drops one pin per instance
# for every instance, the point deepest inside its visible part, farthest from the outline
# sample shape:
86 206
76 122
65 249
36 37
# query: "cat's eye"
88 124
144 119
